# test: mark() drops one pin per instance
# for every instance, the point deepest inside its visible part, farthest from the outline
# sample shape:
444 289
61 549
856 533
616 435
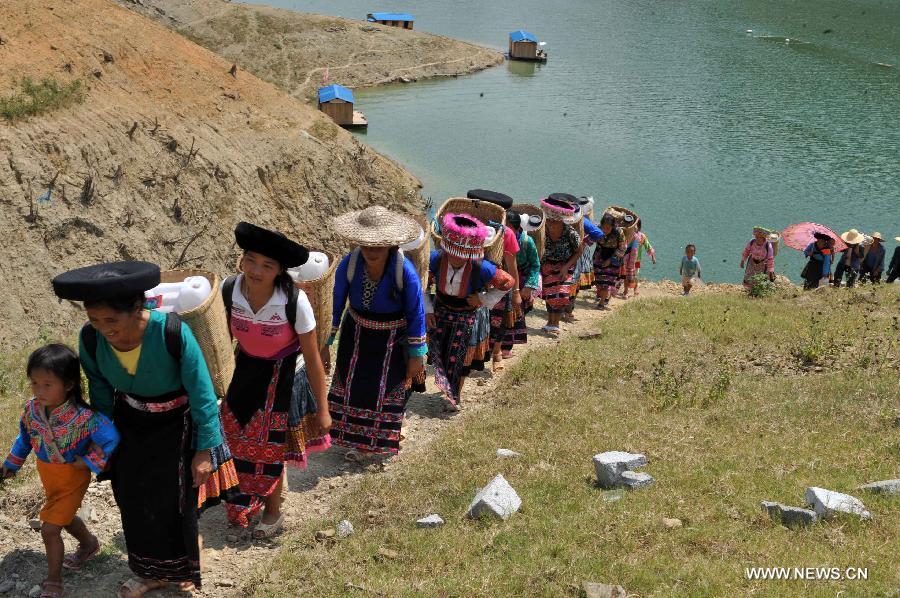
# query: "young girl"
70 441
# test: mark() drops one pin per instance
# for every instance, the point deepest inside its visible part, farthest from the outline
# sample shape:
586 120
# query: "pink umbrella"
799 236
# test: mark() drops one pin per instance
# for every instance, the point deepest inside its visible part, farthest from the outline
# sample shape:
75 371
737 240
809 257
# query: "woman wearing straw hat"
381 346
608 259
273 322
146 370
851 259
759 255
464 282
873 260
562 249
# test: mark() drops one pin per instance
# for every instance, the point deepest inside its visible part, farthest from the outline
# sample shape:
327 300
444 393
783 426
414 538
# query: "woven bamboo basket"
628 230
538 235
320 293
420 257
482 210
210 327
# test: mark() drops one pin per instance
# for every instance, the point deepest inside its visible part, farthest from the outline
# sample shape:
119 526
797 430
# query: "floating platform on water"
541 56
359 121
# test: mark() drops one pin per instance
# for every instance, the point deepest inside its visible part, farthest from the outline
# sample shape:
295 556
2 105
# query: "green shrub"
37 98
761 286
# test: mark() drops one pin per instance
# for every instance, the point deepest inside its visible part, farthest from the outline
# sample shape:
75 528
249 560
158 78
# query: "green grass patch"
719 391
37 98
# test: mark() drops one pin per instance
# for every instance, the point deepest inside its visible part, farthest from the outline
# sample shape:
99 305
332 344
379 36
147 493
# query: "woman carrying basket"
273 323
464 282
528 266
561 253
608 259
146 371
759 256
381 346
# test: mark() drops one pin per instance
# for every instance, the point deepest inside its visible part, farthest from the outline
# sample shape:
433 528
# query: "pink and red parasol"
799 236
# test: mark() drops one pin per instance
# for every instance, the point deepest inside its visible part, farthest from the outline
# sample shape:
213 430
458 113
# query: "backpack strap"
351 265
173 335
89 339
477 282
290 310
398 270
227 292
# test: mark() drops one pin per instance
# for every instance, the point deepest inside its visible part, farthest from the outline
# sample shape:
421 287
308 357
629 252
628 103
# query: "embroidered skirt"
557 287
153 486
457 345
629 268
302 413
369 389
606 277
255 420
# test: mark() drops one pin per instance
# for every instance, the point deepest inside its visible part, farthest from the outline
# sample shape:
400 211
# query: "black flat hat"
271 244
822 236
566 197
501 199
106 281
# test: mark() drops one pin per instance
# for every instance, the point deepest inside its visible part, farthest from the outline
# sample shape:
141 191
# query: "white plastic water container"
315 267
180 296
194 291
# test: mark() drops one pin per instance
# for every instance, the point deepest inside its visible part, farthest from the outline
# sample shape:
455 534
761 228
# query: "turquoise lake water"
671 108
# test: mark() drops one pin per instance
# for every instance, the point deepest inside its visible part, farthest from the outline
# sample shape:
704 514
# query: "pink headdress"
463 236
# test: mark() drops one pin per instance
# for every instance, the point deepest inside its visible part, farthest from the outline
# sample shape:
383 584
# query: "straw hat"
852 237
897 239
878 236
376 226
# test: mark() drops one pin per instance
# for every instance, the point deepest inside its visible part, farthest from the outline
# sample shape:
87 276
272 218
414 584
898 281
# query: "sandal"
52 589
497 365
263 531
554 330
137 587
76 560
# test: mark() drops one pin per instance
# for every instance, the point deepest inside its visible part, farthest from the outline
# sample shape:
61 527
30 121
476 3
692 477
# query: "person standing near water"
873 261
145 369
562 248
381 346
643 245
464 282
894 268
759 255
529 270
272 322
608 259
818 266
690 268
850 260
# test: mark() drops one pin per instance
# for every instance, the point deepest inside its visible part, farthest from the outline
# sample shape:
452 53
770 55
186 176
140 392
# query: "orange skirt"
65 487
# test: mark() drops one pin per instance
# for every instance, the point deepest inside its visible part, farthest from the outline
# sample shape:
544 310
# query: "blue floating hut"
393 19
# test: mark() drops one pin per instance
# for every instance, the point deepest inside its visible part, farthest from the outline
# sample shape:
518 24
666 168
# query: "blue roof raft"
335 92
390 16
520 35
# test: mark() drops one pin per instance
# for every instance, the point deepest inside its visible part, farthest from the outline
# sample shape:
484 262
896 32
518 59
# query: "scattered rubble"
827 502
789 516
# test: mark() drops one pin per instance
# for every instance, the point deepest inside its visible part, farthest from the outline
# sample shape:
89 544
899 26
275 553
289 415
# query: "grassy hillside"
733 400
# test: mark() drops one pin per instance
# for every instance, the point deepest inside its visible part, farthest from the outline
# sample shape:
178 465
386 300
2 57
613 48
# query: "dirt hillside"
292 49
164 154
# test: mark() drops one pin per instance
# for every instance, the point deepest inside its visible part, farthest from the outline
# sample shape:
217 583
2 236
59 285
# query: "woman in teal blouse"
146 371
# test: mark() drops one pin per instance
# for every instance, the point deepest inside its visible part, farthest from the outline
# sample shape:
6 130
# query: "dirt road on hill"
229 553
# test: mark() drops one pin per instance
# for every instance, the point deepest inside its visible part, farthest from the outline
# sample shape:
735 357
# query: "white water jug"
315 267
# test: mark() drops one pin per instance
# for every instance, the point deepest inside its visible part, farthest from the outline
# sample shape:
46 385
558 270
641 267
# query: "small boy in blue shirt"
690 268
